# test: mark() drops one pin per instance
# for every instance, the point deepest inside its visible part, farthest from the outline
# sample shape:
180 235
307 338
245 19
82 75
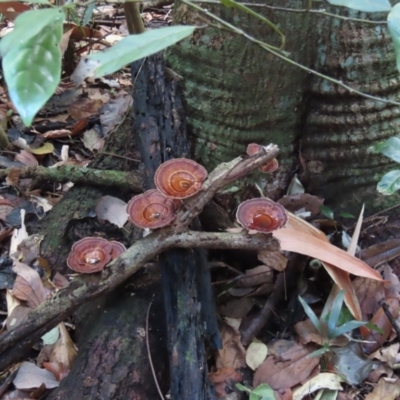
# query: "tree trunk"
341 127
237 93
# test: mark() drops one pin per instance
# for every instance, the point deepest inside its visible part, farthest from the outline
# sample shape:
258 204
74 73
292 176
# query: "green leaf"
390 147
228 3
29 1
346 215
328 212
88 13
347 327
319 352
243 388
310 313
393 21
364 5
129 49
373 327
264 392
28 25
335 313
389 182
32 69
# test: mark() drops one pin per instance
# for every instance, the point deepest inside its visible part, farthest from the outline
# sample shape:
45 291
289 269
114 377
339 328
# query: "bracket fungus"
271 166
151 210
117 249
92 254
180 178
261 215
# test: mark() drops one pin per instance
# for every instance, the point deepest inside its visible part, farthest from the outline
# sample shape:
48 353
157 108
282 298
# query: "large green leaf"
393 20
28 25
32 70
262 392
129 49
30 1
390 148
389 183
364 5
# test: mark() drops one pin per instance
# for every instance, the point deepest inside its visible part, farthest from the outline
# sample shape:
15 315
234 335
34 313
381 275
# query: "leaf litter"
286 366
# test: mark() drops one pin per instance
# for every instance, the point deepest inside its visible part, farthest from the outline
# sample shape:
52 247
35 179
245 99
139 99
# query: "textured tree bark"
112 362
237 93
340 127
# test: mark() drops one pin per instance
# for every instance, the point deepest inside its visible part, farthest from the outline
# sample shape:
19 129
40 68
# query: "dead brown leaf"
11 9
16 316
298 201
308 333
57 133
29 248
27 158
12 177
79 126
92 140
273 259
224 377
256 276
288 370
4 211
309 241
84 107
28 286
64 351
387 389
369 293
65 40
387 355
232 354
236 308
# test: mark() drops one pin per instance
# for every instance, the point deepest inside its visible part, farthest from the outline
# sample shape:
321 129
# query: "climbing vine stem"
284 55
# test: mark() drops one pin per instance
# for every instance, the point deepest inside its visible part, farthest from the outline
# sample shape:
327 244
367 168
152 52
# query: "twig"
392 320
127 181
223 175
86 288
149 353
282 56
298 10
266 312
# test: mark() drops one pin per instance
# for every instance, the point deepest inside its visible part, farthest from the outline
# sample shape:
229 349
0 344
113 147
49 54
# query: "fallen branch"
127 181
14 343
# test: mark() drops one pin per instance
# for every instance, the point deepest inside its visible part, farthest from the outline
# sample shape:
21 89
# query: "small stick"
149 353
390 317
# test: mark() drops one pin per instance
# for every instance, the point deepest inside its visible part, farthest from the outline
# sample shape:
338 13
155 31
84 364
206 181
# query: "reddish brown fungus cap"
271 166
151 210
261 215
180 178
89 255
117 249
253 148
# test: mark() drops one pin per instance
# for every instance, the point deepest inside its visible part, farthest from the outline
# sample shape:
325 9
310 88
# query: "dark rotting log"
189 307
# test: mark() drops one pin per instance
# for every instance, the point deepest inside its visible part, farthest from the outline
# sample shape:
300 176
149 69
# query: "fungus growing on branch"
273 165
90 254
151 210
180 178
261 215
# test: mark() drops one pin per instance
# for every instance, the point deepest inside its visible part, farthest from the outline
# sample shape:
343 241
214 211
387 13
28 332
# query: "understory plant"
390 182
333 322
